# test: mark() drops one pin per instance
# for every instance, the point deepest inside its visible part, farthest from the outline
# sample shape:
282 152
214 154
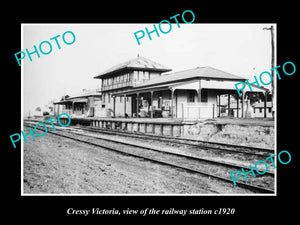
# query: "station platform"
162 126
157 126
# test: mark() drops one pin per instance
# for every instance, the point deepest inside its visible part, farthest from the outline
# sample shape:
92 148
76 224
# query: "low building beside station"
258 110
83 105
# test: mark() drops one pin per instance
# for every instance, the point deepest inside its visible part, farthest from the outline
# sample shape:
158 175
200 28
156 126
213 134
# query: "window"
105 83
260 110
140 75
203 95
108 99
191 97
146 75
121 97
103 98
135 75
270 110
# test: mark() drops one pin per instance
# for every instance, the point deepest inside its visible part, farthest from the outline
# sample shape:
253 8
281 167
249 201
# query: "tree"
255 97
64 97
51 108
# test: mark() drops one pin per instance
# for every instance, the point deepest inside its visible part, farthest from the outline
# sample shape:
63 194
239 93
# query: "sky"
240 49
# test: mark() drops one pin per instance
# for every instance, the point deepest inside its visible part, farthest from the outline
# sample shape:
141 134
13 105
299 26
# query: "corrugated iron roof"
62 102
136 63
86 93
199 72
81 95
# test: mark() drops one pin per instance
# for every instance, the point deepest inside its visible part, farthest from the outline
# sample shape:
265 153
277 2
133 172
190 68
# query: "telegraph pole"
272 57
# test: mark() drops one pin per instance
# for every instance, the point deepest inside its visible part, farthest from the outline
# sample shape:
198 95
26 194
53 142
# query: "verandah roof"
76 100
193 84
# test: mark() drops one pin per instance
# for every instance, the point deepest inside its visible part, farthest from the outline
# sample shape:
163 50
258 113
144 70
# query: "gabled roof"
139 63
85 94
80 97
198 72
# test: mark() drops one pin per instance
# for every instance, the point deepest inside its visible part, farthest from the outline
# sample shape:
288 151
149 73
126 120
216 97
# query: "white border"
22 111
85 24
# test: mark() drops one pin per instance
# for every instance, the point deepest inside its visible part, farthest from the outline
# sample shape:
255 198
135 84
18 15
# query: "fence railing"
196 111
68 111
117 85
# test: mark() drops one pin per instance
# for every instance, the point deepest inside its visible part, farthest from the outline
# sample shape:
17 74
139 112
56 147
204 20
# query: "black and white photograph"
129 109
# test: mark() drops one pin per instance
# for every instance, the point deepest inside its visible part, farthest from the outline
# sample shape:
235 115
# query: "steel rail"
235 166
184 141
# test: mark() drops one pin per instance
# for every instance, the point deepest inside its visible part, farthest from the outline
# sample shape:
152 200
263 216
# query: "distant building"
81 105
37 113
258 110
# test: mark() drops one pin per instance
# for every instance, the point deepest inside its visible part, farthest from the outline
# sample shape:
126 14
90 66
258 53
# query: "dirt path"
62 166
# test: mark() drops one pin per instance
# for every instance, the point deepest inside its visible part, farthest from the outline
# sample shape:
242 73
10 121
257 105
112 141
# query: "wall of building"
79 109
120 101
124 80
63 109
99 111
259 112
142 76
195 110
104 107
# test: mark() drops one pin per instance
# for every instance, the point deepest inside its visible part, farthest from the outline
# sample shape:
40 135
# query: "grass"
269 122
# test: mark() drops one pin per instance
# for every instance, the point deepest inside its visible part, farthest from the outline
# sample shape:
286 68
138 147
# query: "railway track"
210 168
230 148
189 142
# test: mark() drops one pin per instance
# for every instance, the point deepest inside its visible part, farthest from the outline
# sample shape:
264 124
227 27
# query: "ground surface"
251 132
268 122
62 166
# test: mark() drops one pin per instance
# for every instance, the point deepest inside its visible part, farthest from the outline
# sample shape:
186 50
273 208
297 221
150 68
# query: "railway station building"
142 88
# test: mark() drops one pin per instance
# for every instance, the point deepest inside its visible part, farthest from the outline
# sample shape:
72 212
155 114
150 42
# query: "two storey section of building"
123 77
